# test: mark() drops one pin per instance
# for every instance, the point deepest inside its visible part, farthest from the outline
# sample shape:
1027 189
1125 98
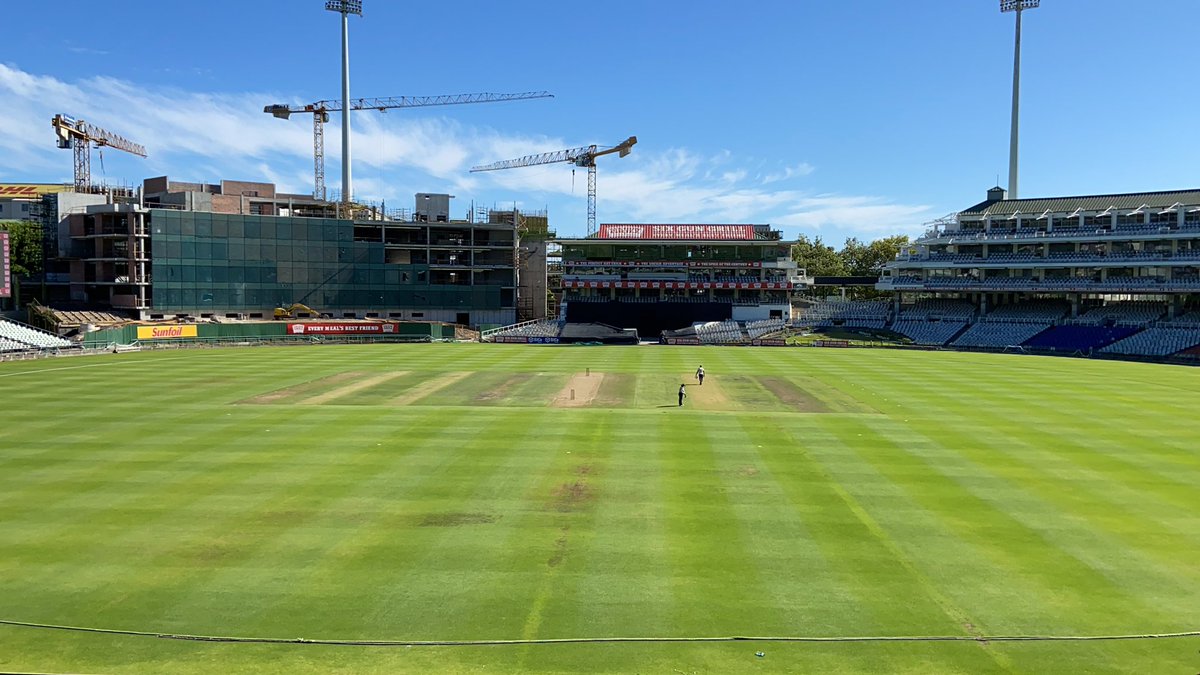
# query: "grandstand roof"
1038 205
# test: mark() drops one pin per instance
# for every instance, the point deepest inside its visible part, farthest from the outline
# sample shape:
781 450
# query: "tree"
866 260
817 258
24 245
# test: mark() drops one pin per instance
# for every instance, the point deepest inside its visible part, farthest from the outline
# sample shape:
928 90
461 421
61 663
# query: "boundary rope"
581 640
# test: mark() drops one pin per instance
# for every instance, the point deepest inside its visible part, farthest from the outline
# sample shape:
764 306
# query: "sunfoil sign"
166 332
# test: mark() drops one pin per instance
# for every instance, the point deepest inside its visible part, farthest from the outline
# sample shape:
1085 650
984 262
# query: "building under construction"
240 250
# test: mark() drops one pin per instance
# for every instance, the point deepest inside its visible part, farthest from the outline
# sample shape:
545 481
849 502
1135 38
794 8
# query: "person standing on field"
700 374
682 394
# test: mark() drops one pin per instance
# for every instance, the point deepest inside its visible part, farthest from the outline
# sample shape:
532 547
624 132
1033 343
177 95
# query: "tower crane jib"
320 111
79 135
582 157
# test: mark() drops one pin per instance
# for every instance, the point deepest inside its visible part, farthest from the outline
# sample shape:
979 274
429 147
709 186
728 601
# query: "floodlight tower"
345 8
1017 6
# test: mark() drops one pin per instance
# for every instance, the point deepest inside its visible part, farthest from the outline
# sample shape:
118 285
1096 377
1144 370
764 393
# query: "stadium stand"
1079 338
853 313
999 334
924 332
1189 319
1156 341
540 328
928 310
29 337
1032 311
719 332
1129 313
757 329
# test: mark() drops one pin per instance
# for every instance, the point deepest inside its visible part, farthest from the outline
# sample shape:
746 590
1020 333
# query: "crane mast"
581 157
320 111
80 136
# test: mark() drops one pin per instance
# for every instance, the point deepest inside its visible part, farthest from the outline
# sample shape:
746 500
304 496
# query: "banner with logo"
5 268
32 190
166 332
694 232
341 328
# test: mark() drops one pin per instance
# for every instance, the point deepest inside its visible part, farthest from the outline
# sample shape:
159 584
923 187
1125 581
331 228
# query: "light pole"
1017 6
345 8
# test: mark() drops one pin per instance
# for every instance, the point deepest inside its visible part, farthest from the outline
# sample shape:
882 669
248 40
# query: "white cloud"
204 136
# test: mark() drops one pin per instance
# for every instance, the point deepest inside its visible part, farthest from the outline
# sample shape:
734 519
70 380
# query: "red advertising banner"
5 268
668 264
698 232
341 328
617 283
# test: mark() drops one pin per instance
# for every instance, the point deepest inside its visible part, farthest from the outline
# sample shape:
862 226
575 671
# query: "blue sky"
856 118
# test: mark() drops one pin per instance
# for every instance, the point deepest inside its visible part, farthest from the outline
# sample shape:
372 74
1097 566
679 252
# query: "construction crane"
321 109
585 157
80 135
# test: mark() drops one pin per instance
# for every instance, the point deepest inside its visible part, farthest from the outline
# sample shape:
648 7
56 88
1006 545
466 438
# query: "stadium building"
1107 274
658 278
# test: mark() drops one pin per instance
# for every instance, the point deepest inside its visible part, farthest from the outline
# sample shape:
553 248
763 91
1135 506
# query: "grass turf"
438 492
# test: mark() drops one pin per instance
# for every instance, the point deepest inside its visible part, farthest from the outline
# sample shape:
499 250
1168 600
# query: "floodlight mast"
345 8
1017 6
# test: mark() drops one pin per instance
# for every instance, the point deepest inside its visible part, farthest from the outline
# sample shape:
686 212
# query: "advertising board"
5 268
341 328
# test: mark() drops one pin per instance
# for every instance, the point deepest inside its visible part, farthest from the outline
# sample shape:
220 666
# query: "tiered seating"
1031 311
1156 341
1072 338
7 345
928 332
1130 313
30 337
1190 319
855 313
543 328
933 322
955 310
719 332
999 334
756 329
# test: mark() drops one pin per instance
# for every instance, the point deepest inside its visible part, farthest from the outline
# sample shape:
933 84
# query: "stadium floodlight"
1017 6
345 8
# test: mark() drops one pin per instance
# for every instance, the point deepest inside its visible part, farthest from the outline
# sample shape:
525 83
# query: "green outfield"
502 492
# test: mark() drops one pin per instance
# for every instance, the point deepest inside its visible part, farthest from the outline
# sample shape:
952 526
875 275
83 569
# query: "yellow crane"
80 136
584 157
